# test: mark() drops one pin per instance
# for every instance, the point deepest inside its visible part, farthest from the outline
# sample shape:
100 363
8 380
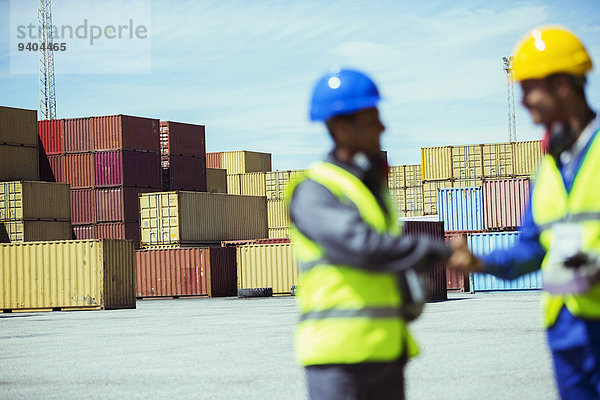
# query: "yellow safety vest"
552 204
348 315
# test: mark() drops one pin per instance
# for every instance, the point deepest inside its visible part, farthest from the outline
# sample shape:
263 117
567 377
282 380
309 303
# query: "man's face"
541 100
362 132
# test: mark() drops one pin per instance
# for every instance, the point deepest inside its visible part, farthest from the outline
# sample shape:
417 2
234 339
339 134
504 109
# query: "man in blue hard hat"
358 285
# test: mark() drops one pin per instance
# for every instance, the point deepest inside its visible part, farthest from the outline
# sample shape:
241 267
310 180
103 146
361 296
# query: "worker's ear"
562 85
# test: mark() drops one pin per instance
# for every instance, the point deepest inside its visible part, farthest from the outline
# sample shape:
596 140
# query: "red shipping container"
124 132
456 280
118 230
435 277
78 170
504 202
178 139
83 208
83 232
77 137
213 160
119 204
128 168
50 133
186 272
187 173
51 168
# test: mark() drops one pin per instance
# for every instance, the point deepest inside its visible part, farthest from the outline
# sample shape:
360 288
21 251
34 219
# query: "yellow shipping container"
19 163
267 265
527 156
414 201
168 218
33 231
278 181
398 198
408 201
18 127
436 163
241 162
277 214
216 180
401 176
467 161
29 200
250 184
67 275
497 160
279 233
430 195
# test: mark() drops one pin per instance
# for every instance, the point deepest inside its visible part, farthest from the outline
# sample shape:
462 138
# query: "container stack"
487 217
34 211
29 210
108 161
277 183
19 155
183 156
470 165
406 188
41 269
179 218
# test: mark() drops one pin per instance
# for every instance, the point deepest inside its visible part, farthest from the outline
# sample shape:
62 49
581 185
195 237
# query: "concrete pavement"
473 346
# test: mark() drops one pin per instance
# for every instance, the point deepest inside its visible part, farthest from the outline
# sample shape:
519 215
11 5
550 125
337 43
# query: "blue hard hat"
342 92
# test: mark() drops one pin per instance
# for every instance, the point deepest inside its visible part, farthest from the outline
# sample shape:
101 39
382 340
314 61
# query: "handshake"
462 258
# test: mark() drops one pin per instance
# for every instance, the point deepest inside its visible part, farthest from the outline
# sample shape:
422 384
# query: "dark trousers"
365 381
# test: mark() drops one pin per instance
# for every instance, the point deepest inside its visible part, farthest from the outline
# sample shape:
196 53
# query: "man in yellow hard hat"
561 228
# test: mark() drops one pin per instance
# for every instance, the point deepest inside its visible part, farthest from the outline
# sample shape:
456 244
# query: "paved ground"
473 346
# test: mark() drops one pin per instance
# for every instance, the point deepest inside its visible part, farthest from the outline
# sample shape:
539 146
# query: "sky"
246 69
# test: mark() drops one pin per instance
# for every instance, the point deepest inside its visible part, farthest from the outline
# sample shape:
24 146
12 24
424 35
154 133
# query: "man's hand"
462 259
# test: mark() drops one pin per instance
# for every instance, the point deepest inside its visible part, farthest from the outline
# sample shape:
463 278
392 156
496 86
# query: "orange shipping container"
186 272
213 160
124 132
78 170
77 137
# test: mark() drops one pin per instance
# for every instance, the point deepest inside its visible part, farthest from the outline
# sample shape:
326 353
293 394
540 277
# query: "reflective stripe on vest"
348 315
551 204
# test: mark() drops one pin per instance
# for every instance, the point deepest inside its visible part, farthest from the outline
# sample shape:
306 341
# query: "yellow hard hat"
550 50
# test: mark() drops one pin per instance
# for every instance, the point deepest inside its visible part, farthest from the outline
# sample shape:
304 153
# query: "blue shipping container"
461 209
484 243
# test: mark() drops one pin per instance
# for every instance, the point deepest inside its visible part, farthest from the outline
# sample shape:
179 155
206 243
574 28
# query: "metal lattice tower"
47 91
512 126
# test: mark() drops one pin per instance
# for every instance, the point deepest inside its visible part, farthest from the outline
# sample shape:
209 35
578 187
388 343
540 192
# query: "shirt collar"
582 141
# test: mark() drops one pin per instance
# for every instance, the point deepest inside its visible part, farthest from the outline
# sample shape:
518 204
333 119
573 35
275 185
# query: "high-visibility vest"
552 204
348 315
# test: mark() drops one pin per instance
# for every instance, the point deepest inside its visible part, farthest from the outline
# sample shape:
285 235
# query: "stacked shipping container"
183 156
406 189
107 161
34 211
480 188
192 218
470 165
19 155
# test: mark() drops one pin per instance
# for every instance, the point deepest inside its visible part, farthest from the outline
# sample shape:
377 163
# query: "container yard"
147 248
